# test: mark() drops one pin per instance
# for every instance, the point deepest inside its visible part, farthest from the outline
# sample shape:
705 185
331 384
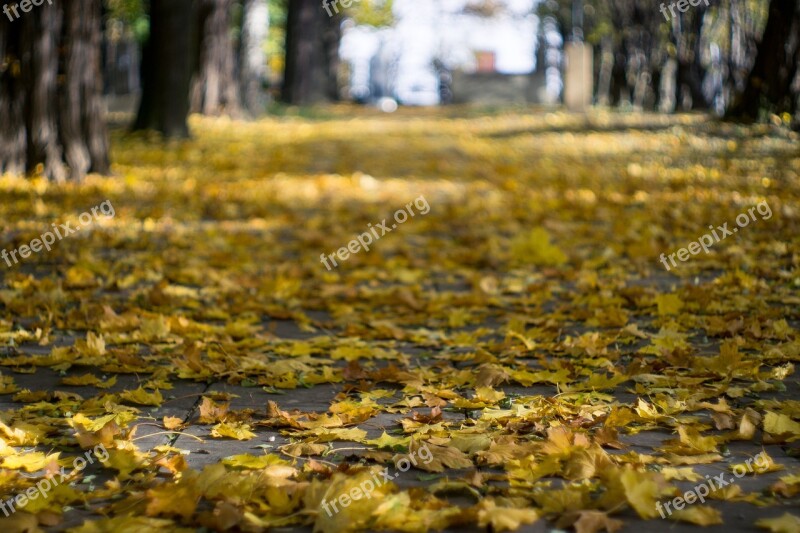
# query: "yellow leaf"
172 422
142 397
174 499
29 462
387 441
399 513
535 248
781 426
595 522
668 304
641 491
786 523
444 457
89 380
330 434
95 344
701 515
254 462
125 462
232 430
349 501
130 524
504 518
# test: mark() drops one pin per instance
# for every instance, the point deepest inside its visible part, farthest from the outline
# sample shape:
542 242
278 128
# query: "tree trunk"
167 69
686 33
606 68
312 51
85 135
214 89
51 92
770 80
252 60
13 132
41 32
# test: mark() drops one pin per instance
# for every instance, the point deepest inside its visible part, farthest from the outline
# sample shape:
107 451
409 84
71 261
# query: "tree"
51 90
769 84
312 53
252 60
215 88
686 34
167 69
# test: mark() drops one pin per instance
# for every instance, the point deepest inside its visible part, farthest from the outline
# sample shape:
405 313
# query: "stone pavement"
184 399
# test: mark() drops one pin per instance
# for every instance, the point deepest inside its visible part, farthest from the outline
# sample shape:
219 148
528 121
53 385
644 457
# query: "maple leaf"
535 248
701 515
786 523
642 490
504 518
142 397
178 499
347 503
232 430
781 427
590 522
212 412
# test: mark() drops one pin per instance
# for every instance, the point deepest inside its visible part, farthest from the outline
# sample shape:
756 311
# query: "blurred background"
65 63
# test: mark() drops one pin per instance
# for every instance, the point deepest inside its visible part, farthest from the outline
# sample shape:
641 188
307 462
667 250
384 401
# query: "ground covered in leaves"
520 340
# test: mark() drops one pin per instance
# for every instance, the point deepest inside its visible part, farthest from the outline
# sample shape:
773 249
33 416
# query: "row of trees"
51 88
51 76
736 57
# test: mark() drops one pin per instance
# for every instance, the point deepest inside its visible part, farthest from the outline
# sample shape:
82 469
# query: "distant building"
443 49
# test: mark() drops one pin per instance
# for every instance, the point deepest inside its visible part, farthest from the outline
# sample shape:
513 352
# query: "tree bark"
605 71
312 51
215 89
770 80
41 33
167 69
51 92
13 132
686 31
85 135
252 60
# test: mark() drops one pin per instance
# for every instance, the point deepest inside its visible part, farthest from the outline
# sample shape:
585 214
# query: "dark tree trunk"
618 82
770 80
51 92
686 31
312 51
252 61
604 74
167 69
85 135
13 132
215 89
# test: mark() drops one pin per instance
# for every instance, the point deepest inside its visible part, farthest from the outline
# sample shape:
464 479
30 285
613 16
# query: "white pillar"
578 81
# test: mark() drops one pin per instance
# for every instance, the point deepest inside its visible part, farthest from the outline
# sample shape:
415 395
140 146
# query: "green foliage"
372 12
276 40
127 11
132 14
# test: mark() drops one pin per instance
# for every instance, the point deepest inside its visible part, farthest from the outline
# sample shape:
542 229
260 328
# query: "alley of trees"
738 58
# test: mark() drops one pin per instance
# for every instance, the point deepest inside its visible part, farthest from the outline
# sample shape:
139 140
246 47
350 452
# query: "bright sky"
427 29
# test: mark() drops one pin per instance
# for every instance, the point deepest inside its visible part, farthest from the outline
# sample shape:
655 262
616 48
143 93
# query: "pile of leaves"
523 331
